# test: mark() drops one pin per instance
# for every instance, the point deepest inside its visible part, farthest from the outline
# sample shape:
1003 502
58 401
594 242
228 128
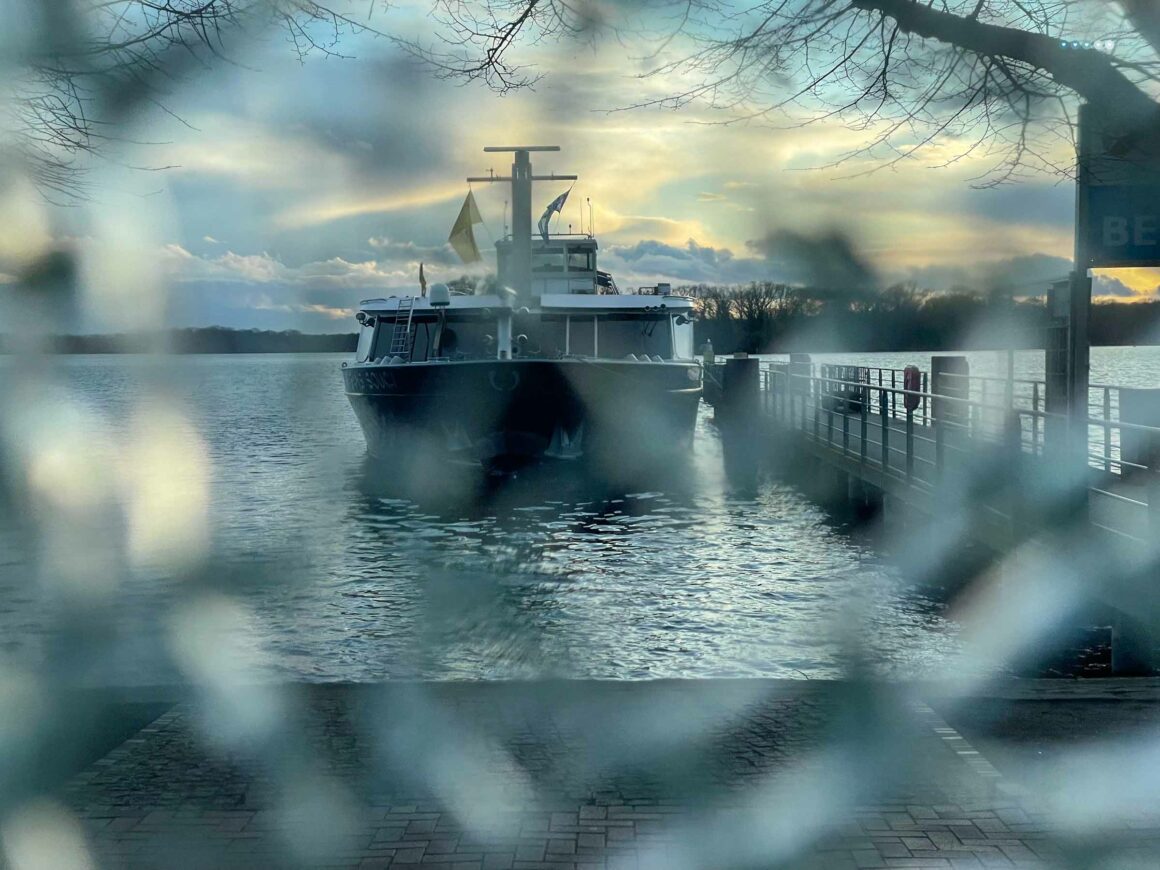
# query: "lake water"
327 578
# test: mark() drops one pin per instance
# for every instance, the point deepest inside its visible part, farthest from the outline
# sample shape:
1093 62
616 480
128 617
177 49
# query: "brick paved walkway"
711 774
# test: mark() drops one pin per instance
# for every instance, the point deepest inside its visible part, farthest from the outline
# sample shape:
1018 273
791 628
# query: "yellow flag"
462 238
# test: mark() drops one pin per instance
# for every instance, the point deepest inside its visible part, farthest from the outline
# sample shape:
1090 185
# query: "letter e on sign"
1145 230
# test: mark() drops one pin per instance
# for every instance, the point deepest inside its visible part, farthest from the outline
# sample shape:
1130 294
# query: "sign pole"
1080 298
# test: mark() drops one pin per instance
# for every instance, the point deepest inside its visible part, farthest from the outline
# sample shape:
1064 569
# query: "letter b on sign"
1115 231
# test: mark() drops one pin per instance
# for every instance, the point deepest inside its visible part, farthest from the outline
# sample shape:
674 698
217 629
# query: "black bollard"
738 416
740 396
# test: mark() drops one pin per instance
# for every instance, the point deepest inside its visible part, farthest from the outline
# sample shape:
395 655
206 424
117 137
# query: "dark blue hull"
497 412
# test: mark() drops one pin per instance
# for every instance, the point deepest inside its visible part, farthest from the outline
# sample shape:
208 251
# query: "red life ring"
912 383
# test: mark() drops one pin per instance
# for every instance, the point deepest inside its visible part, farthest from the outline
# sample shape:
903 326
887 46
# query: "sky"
272 193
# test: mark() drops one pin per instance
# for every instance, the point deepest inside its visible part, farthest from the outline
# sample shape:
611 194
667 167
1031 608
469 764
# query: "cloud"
827 259
693 263
1025 274
1107 285
712 197
332 208
1141 282
267 303
411 252
335 272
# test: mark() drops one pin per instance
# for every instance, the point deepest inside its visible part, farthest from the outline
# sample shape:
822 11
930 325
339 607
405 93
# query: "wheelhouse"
563 264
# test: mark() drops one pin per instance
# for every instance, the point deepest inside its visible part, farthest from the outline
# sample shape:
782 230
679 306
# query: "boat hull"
510 412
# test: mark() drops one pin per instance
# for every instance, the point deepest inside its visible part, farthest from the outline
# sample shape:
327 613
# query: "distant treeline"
212 339
758 317
772 318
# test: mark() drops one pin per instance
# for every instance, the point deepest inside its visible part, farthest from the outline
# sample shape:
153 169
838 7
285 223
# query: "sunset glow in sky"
294 190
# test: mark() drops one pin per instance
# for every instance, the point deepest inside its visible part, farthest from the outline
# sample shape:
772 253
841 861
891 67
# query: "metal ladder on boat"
401 338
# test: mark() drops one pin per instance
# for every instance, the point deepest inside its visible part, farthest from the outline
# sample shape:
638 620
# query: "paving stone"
558 847
913 843
892 850
530 851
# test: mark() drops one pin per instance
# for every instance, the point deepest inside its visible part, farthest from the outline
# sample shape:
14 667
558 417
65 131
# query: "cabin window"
467 337
537 337
582 336
366 340
384 335
624 334
548 260
683 335
422 338
581 261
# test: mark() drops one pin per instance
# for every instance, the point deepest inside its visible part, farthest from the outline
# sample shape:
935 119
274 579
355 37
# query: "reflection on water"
342 579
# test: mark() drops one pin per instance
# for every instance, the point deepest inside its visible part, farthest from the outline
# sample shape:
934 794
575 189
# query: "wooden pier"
974 459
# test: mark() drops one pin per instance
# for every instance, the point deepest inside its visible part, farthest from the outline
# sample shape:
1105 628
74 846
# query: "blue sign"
1123 223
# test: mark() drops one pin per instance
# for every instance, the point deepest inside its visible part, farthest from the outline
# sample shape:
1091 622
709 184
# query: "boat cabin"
400 330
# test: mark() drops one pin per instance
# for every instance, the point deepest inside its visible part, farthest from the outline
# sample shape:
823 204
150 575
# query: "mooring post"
740 389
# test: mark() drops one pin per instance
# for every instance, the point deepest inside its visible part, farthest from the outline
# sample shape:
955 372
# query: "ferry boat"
555 364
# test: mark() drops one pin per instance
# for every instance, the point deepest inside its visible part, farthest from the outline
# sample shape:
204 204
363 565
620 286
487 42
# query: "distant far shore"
206 340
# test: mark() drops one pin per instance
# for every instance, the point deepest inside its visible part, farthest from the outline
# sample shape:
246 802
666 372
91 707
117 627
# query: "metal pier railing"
915 436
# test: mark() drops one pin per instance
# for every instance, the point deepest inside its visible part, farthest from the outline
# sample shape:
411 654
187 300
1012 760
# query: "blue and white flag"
555 205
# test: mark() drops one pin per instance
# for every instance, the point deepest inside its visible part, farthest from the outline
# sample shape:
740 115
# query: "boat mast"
520 261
